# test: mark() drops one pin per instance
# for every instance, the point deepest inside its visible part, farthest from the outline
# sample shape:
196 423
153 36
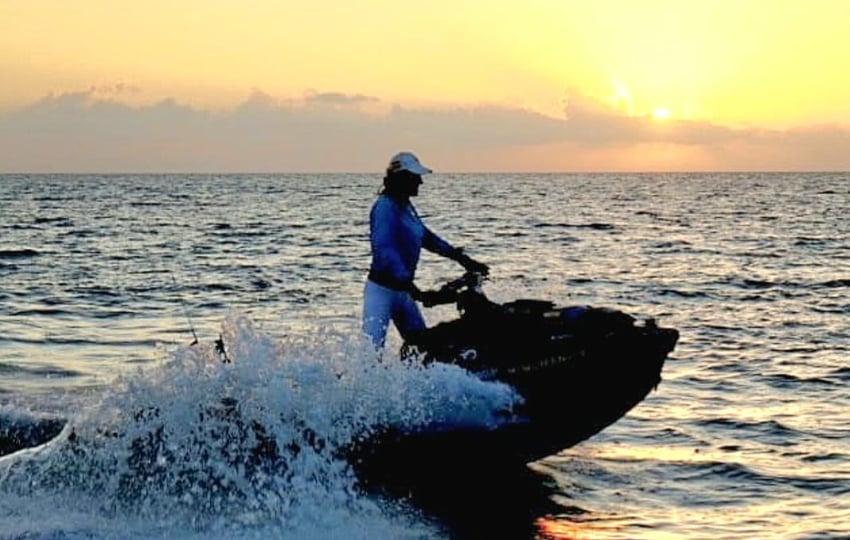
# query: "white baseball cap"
407 161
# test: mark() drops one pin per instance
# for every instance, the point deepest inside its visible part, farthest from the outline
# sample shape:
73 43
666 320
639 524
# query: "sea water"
106 280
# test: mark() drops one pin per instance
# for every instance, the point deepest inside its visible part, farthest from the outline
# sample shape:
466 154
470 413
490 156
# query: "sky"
469 85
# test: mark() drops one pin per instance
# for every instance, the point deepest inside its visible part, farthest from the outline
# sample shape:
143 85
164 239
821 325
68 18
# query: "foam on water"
182 446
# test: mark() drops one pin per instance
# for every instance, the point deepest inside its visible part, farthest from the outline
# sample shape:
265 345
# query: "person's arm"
434 243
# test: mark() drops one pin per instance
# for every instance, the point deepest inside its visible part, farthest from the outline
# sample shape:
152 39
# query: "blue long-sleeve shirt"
397 236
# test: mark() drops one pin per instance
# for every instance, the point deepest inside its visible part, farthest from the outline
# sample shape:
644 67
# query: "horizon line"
437 173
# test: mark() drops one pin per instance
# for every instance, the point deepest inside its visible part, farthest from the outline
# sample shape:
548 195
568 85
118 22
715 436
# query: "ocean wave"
589 226
841 374
22 253
829 456
692 293
13 369
55 221
771 431
42 312
791 381
833 284
750 478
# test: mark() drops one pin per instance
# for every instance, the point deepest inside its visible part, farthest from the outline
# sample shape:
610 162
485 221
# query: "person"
397 236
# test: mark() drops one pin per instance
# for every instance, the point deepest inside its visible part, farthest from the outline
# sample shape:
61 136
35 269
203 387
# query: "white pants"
380 305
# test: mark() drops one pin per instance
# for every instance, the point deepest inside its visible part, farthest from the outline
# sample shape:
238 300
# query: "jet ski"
578 369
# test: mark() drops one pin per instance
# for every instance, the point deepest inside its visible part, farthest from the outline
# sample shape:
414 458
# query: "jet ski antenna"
185 311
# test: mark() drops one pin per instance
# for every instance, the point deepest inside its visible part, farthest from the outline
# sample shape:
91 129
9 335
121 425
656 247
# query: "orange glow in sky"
743 66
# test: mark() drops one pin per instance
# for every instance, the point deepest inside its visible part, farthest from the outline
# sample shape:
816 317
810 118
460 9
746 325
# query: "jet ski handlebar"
450 292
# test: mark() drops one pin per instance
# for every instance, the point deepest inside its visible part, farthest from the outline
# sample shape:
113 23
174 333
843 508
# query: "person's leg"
406 315
377 310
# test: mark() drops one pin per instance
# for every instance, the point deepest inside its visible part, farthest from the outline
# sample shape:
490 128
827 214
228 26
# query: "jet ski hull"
578 370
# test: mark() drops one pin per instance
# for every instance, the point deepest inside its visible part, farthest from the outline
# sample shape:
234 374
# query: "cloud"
93 131
338 98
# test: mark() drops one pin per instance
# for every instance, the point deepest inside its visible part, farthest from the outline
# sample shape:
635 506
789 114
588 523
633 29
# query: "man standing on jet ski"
397 236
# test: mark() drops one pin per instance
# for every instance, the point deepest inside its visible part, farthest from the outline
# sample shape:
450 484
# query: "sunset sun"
661 113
